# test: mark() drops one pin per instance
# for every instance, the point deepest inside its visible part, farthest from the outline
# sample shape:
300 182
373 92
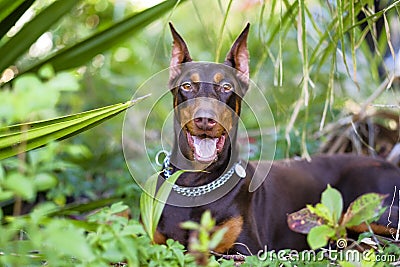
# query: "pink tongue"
205 149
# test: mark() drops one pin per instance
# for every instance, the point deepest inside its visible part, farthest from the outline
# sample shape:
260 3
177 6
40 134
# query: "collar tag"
239 170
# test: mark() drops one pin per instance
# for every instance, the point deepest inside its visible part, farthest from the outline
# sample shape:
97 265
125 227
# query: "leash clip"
157 157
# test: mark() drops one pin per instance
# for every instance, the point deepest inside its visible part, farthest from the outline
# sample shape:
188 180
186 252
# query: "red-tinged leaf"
322 211
303 221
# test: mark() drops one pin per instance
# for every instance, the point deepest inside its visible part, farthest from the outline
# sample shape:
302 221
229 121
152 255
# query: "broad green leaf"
6 195
319 236
44 181
23 101
20 185
82 52
332 199
364 208
19 43
23 137
66 239
303 221
118 207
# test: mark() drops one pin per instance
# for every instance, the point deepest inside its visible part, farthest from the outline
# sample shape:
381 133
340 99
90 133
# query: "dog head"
207 98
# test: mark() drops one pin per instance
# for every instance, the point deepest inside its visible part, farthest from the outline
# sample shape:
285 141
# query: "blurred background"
328 69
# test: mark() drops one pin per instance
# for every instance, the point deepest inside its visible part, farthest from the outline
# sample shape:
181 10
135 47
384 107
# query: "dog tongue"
205 149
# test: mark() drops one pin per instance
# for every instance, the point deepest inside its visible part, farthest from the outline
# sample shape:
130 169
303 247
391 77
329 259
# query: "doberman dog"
207 104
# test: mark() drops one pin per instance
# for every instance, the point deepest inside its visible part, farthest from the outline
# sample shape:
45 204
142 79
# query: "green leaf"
44 181
118 207
216 238
178 251
41 211
82 52
83 207
364 208
63 81
147 204
321 211
20 185
347 264
303 221
7 7
17 45
2 174
319 236
206 220
203 239
162 196
189 225
6 195
23 137
67 239
152 203
332 199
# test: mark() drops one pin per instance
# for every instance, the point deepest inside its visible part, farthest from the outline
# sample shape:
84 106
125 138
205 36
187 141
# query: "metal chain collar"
198 190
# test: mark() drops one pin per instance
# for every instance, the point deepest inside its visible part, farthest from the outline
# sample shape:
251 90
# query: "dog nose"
204 123
204 119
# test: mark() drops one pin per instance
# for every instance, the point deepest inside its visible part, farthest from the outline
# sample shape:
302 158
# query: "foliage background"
310 59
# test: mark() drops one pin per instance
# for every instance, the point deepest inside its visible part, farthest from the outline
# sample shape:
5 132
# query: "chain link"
196 190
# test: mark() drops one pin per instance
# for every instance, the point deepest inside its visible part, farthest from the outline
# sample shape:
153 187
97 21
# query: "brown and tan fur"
253 219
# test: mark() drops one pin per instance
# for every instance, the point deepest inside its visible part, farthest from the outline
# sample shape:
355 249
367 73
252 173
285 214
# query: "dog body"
207 101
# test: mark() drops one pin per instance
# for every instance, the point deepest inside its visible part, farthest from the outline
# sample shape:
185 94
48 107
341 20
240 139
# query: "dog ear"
180 53
238 56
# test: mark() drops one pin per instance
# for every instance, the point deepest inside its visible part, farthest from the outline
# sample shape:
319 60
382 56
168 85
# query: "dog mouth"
205 149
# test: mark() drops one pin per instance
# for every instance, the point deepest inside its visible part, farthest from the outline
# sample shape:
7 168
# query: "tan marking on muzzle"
195 77
218 77
223 115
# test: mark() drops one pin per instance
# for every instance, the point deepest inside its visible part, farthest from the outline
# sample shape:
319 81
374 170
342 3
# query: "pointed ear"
238 56
180 53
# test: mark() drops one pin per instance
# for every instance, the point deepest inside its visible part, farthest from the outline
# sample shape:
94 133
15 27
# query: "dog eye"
187 86
227 87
